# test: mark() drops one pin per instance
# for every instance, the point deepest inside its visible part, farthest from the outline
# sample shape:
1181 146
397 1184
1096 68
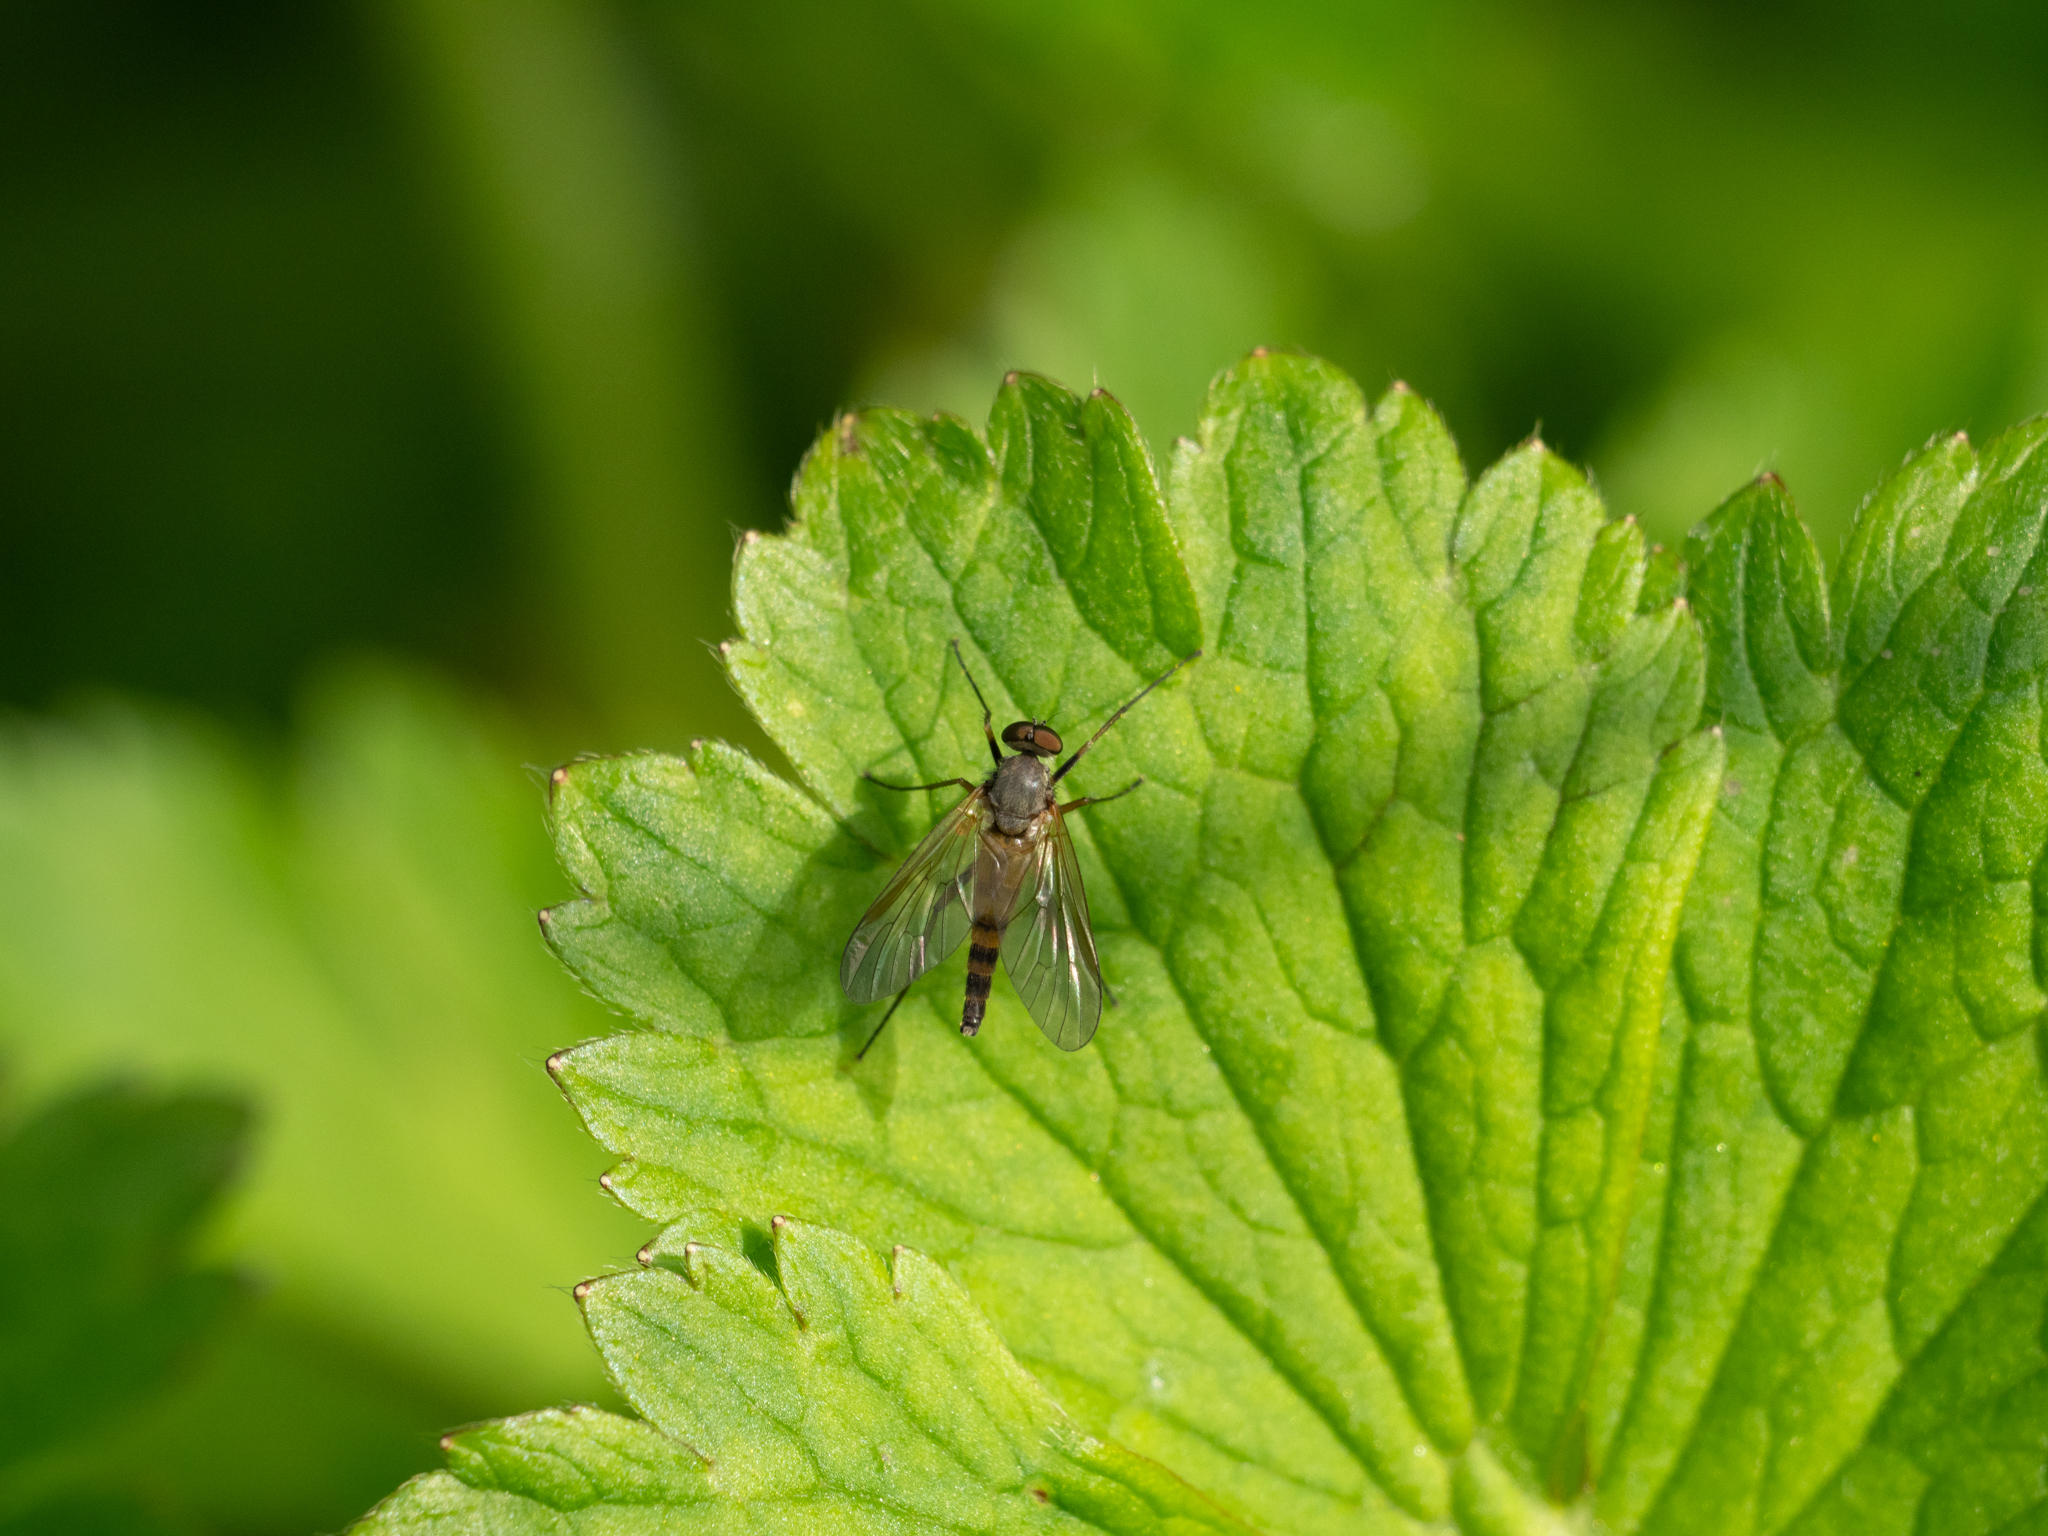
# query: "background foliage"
465 333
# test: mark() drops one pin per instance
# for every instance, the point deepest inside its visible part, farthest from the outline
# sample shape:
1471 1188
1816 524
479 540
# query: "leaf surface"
817 1391
1455 1156
1836 1312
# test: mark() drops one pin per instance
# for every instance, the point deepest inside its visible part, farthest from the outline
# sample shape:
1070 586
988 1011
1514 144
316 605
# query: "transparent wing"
923 914
1049 949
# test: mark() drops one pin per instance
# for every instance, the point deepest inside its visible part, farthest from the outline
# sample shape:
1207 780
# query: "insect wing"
923 914
1049 949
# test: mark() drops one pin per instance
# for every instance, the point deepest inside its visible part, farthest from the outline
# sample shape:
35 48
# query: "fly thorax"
1018 794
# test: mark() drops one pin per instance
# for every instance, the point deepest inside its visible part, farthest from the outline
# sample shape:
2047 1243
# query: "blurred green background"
382 385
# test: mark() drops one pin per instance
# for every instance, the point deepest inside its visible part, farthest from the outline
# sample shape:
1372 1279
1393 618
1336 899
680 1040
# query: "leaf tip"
447 1443
1401 387
583 1290
604 1181
560 775
555 1063
646 1254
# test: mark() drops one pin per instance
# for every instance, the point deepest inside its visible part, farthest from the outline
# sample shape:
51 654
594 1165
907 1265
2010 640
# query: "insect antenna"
857 1055
1061 772
988 727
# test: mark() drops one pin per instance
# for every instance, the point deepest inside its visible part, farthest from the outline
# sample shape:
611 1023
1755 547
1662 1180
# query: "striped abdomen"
983 945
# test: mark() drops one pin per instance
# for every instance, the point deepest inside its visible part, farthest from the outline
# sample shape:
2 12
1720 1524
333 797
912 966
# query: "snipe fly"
999 868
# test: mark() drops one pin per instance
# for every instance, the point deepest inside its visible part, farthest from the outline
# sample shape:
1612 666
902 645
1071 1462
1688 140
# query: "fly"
998 869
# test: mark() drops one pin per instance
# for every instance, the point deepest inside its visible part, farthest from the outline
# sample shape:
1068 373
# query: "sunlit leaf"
1834 1320
1400 1189
819 1392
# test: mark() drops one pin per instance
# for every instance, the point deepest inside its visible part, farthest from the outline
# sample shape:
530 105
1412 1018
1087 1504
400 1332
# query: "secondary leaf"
821 1393
99 1300
344 942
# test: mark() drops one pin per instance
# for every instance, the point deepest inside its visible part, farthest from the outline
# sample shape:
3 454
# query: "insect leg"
988 723
1061 771
857 1055
1075 805
911 789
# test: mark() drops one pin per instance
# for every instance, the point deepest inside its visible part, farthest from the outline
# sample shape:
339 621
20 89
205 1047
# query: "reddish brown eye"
1030 736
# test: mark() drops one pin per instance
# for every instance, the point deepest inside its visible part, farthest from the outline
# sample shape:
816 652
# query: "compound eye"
1030 736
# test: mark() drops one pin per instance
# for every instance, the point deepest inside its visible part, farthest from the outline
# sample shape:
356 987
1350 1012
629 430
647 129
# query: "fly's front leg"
1075 805
988 723
911 789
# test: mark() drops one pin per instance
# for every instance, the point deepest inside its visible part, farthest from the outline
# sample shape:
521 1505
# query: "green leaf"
818 1390
1836 1317
1279 1228
100 1303
1400 1190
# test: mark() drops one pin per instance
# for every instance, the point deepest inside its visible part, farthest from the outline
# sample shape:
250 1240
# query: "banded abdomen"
1003 866
983 945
